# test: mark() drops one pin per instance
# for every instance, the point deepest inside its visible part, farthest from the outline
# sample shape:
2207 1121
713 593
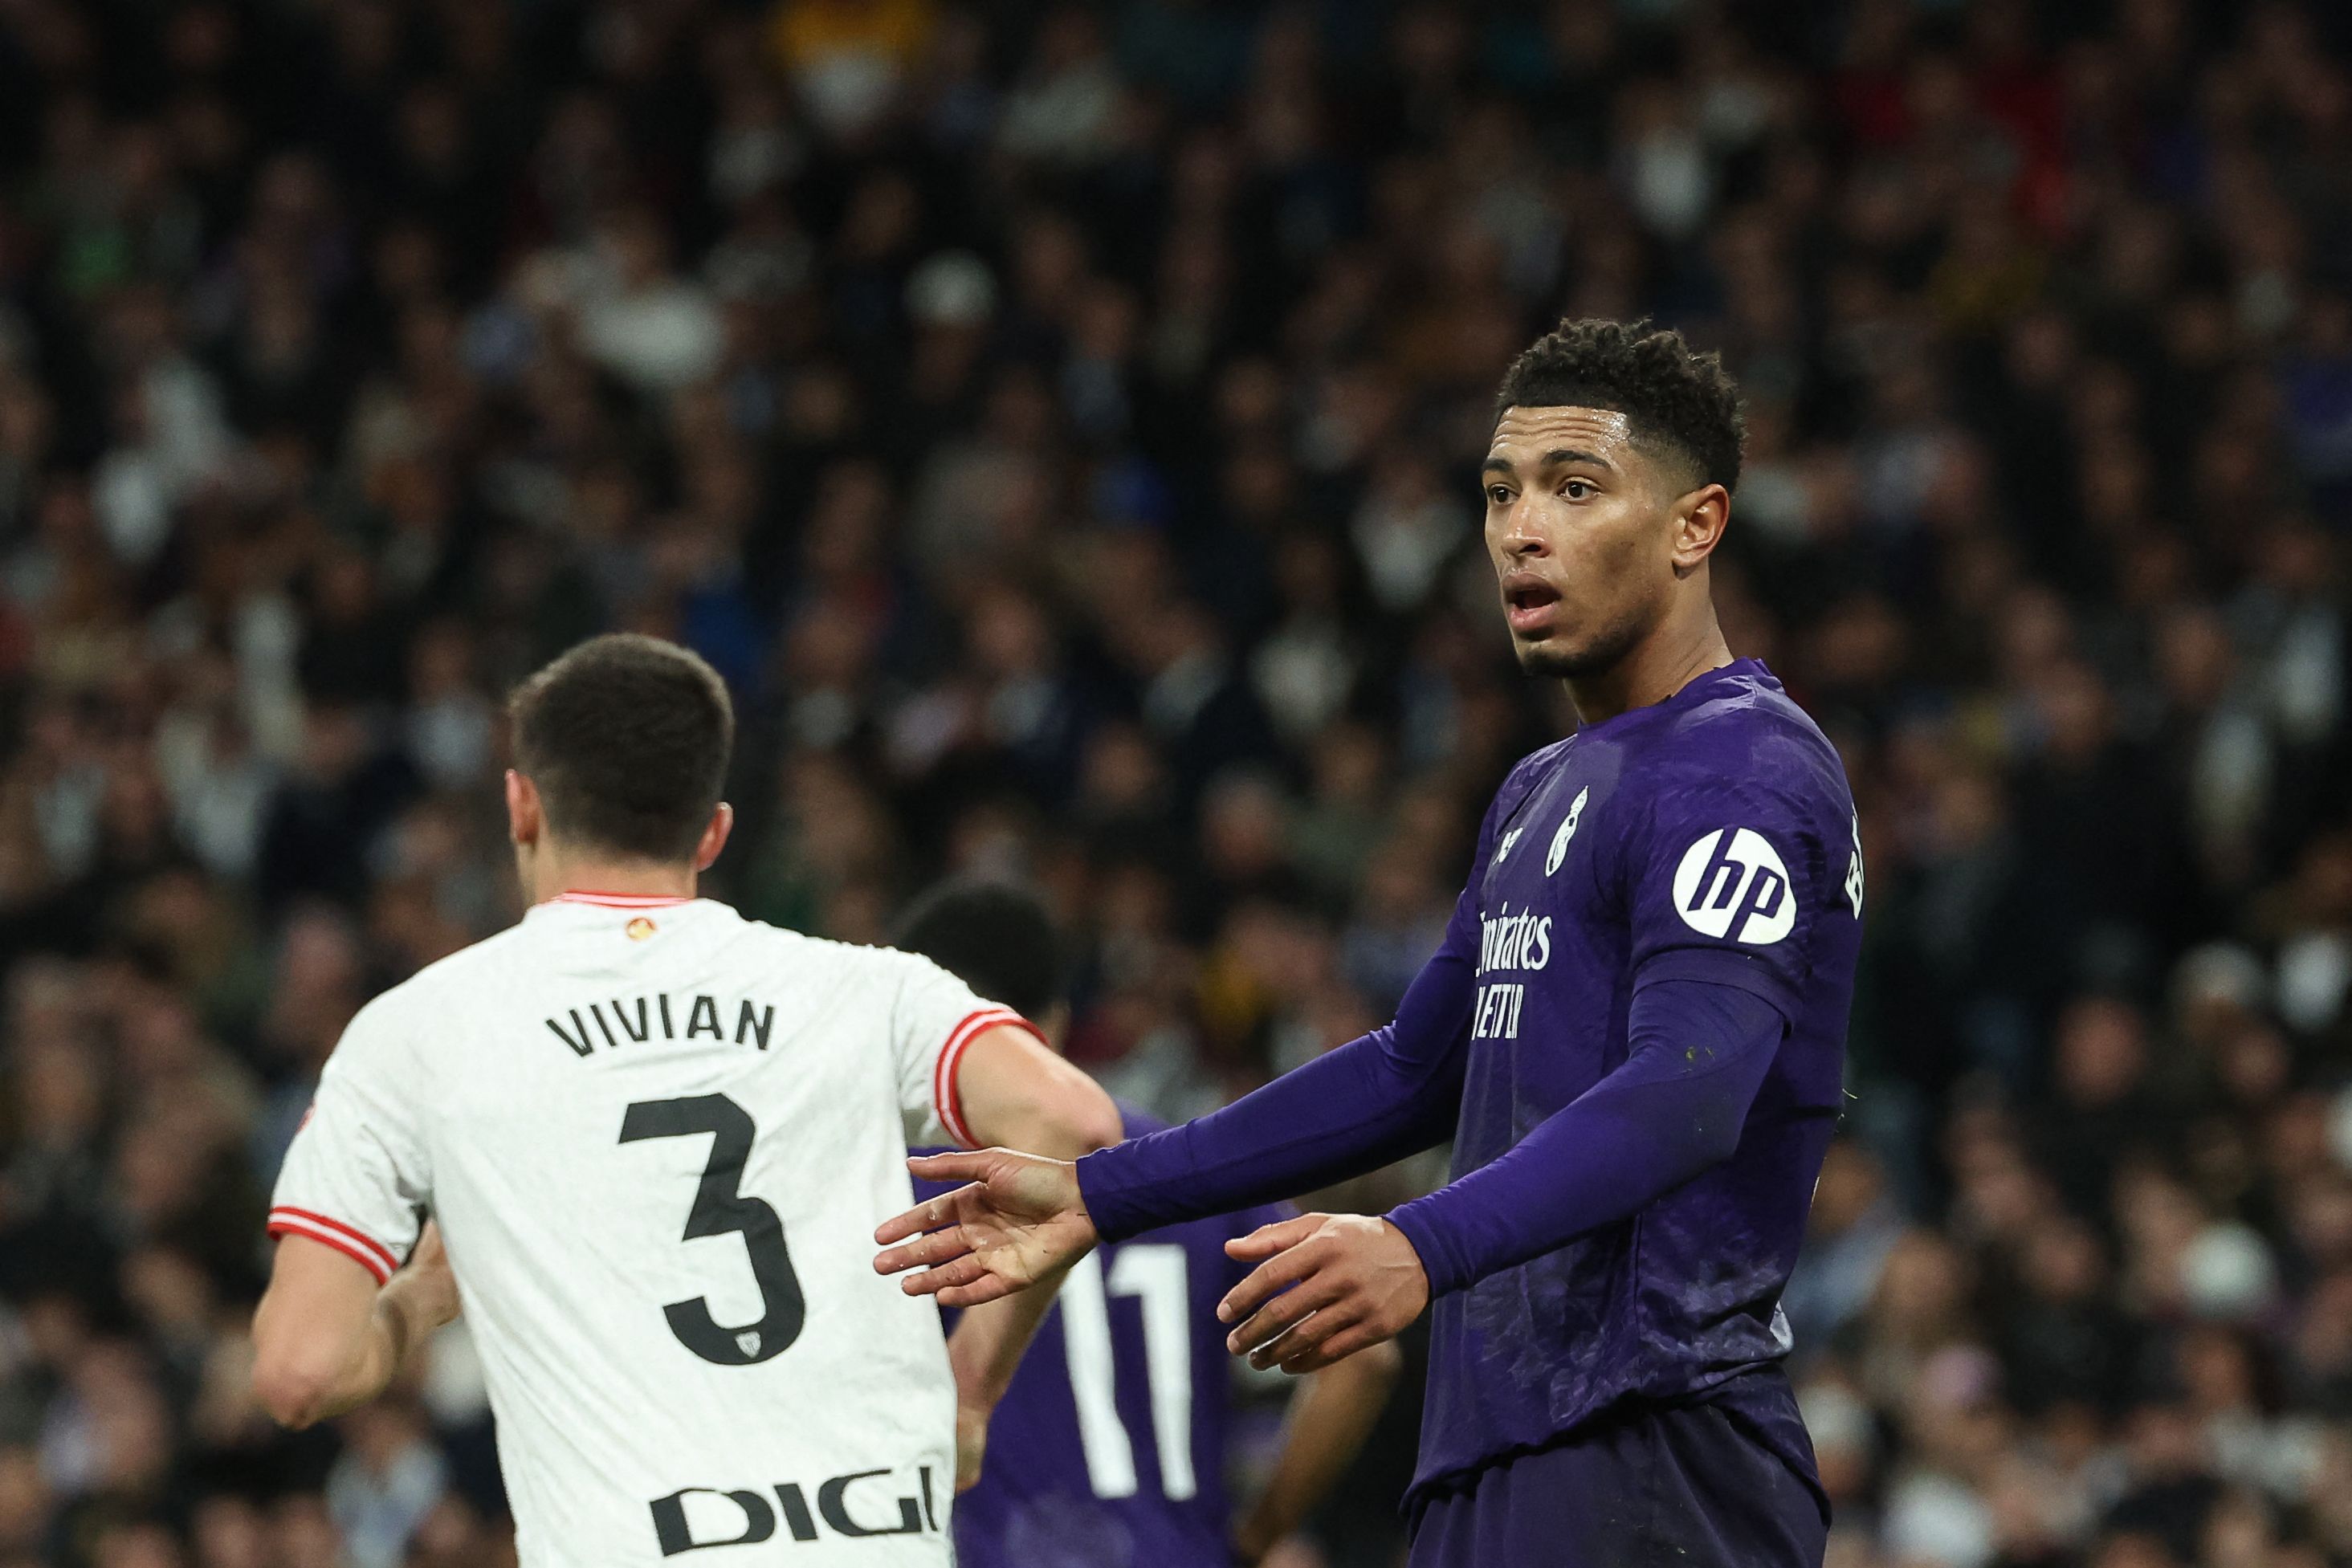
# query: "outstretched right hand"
1021 1219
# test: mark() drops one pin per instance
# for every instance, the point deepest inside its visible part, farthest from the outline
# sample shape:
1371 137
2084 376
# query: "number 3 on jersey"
718 1207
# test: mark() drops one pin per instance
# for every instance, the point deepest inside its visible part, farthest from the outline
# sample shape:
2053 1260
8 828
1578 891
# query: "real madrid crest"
1567 832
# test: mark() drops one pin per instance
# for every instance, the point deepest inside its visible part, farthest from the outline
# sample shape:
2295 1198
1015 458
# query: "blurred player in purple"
1107 1449
1634 1033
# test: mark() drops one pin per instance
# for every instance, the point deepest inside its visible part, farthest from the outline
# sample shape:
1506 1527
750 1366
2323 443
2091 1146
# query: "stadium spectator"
1057 421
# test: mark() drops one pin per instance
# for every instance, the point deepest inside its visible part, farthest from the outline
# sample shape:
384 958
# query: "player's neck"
554 872
1653 671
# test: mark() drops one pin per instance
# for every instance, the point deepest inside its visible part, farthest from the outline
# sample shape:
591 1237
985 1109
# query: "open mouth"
1527 601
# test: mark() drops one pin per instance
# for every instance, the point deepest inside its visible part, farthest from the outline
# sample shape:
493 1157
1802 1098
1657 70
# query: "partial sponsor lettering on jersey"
855 1506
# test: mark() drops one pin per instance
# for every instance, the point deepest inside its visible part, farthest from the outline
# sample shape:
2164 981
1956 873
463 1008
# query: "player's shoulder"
867 962
783 943
1527 773
1743 733
431 990
403 1019
884 973
747 941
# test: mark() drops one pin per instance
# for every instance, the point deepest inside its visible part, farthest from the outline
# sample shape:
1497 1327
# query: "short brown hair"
628 738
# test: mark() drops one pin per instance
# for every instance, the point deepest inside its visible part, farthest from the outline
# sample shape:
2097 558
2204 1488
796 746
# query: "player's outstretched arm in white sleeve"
1019 1220
1024 1115
1017 1094
327 1338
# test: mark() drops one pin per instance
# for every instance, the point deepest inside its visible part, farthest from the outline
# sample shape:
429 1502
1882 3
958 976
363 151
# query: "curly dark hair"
1670 394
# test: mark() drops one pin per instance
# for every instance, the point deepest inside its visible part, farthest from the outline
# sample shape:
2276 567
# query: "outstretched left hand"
1330 1285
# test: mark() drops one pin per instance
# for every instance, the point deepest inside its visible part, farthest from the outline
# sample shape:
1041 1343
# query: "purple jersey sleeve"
1392 1093
1374 1099
1726 878
1697 1054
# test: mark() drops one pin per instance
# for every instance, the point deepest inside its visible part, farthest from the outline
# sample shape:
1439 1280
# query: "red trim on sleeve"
282 1227
381 1261
944 1093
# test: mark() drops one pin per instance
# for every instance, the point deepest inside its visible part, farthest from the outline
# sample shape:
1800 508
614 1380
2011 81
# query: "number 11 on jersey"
1155 1275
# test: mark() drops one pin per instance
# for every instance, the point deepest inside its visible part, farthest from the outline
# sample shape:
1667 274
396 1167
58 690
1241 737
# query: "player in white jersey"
654 1138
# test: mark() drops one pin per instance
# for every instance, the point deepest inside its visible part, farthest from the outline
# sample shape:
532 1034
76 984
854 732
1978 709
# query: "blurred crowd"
1059 422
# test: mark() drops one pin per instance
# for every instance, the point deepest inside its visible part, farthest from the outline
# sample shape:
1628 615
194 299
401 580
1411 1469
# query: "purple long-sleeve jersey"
1108 1447
1709 839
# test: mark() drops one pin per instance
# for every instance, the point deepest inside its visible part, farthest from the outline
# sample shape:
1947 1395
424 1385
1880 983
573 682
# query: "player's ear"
1700 518
714 837
525 819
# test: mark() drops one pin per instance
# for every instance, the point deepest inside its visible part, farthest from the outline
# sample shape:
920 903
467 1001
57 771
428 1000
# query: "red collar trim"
619 900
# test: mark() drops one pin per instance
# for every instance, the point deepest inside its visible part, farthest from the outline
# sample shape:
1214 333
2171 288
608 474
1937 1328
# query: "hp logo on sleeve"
1732 884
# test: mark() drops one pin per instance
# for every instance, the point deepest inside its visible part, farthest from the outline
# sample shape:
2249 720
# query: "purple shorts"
1729 1483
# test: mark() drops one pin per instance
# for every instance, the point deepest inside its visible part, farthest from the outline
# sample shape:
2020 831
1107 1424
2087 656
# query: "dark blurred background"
1057 422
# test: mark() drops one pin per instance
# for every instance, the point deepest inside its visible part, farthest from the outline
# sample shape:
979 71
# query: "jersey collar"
619 900
1692 691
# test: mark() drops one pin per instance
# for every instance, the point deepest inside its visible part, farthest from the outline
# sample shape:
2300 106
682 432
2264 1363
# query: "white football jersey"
657 1137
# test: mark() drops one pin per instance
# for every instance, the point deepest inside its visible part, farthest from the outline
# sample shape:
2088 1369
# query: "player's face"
1580 527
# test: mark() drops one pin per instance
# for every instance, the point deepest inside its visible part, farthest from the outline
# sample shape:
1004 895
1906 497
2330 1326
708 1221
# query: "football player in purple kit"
1633 1032
1106 1448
